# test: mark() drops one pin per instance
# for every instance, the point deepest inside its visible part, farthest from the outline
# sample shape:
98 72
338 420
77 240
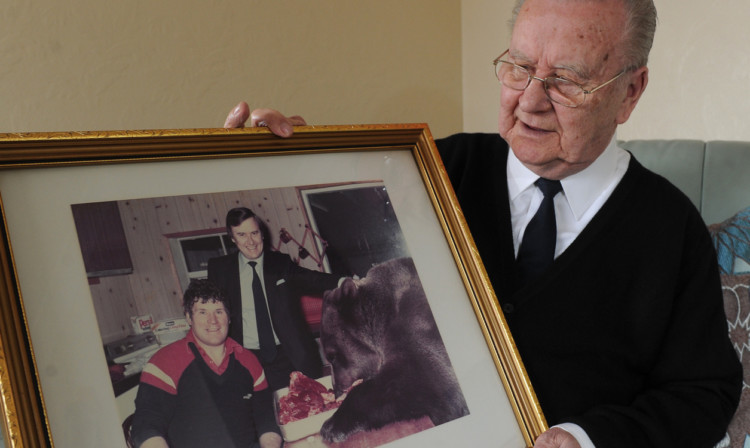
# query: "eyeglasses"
559 90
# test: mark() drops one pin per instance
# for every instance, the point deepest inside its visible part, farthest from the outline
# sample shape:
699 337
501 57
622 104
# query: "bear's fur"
380 329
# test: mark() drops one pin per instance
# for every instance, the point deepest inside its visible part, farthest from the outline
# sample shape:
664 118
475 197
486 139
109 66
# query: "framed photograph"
103 231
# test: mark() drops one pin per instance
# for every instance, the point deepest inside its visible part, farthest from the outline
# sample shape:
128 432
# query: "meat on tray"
306 398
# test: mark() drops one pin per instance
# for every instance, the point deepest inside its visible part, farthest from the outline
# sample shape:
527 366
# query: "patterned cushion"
732 240
736 289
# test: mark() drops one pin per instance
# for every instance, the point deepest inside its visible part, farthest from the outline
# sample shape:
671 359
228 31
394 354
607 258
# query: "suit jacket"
285 282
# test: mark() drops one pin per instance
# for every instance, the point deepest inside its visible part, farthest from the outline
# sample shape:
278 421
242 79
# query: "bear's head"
365 321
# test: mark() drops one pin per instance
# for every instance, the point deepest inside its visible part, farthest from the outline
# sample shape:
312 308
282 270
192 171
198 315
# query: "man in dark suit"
258 278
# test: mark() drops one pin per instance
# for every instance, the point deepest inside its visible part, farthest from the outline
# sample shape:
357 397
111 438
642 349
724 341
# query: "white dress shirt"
249 324
583 194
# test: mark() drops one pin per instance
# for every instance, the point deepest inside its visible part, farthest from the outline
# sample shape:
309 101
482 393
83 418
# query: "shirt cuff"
578 433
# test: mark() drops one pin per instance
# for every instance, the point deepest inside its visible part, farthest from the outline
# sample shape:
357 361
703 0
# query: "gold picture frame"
42 337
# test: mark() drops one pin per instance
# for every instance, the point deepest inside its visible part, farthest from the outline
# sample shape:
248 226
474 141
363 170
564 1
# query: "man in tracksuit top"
204 390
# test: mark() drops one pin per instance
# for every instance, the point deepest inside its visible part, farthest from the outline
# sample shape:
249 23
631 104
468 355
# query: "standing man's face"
580 41
248 238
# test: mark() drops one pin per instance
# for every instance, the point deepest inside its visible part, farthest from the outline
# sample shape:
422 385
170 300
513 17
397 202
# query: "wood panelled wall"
154 287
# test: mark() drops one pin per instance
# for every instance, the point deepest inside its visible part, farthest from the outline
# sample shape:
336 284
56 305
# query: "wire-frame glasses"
559 90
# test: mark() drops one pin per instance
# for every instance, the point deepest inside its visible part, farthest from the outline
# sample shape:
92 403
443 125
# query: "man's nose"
535 96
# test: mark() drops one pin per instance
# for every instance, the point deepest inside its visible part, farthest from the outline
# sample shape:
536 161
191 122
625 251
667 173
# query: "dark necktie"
537 249
263 320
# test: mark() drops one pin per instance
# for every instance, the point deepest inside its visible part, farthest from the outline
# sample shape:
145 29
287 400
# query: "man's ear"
188 319
637 82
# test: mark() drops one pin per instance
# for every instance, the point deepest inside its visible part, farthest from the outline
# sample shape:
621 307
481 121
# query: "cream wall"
97 65
104 65
486 34
700 73
699 70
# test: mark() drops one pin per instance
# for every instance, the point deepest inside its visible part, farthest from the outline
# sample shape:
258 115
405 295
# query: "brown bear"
380 330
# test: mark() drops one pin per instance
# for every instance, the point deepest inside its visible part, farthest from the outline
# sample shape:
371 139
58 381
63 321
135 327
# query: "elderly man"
605 272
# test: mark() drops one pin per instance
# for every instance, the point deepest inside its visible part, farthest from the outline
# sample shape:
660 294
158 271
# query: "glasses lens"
511 75
565 92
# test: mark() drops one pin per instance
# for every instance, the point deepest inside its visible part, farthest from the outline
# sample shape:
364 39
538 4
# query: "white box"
141 324
170 330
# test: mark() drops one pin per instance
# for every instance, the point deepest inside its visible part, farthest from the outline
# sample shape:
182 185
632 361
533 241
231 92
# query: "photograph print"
355 359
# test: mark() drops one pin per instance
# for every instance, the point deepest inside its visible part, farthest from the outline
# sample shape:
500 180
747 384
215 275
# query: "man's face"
210 323
579 41
248 238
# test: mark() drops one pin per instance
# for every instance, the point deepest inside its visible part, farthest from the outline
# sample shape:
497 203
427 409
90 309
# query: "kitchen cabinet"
102 239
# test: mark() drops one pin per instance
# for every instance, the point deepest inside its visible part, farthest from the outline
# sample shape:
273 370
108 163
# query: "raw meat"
306 397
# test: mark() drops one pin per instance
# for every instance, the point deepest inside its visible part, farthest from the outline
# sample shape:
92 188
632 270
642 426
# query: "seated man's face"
248 238
210 323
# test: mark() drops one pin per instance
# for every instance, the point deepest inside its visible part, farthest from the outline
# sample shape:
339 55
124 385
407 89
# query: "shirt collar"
581 189
244 260
233 346
230 345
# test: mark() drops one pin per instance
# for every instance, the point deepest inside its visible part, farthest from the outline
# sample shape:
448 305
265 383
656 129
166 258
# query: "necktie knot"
252 263
549 187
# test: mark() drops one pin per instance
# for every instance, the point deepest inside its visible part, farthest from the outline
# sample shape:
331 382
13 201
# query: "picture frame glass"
61 313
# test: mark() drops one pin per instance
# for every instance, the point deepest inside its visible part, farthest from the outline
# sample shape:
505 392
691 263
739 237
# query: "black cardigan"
625 335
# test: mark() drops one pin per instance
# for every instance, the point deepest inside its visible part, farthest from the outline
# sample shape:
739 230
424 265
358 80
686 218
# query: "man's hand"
556 438
270 440
155 442
278 123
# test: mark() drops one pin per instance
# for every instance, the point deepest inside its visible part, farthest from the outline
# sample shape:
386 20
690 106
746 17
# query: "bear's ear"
347 289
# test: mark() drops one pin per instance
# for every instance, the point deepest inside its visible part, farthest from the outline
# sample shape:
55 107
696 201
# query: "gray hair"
640 28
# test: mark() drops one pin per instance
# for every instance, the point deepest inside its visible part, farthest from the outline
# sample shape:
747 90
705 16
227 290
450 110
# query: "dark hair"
202 291
238 215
